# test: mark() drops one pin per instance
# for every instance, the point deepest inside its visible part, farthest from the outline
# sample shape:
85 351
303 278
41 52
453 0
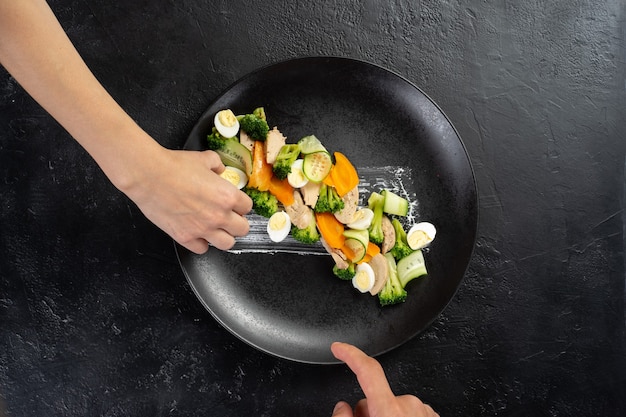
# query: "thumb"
342 409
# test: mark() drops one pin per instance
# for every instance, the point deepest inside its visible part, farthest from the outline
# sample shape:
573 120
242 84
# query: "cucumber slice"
316 165
311 144
236 155
394 204
356 250
360 235
411 266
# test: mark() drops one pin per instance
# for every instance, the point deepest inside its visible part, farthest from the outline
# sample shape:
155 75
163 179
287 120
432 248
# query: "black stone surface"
96 317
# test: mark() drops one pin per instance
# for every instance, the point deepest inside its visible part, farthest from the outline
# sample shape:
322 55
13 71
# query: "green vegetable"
254 126
345 274
308 235
263 202
328 200
394 204
215 141
285 158
260 113
234 154
410 267
401 248
311 144
317 165
376 203
393 292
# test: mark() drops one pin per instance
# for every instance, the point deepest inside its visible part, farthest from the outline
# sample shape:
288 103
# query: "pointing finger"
368 371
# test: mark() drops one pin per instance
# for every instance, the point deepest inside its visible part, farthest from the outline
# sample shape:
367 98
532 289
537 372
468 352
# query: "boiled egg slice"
362 219
296 177
226 123
235 176
420 235
364 278
278 226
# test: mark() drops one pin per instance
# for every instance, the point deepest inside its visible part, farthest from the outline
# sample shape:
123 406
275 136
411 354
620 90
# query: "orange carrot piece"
328 179
261 170
372 249
331 229
344 175
282 190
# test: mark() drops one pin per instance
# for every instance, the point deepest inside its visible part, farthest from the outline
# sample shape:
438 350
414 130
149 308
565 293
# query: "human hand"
179 191
379 400
182 193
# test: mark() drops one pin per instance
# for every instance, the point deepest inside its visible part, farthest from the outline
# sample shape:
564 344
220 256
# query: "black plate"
291 305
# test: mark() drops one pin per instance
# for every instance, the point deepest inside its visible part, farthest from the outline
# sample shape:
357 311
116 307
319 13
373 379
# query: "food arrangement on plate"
305 192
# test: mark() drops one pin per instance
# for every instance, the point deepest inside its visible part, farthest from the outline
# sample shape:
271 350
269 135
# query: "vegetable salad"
313 195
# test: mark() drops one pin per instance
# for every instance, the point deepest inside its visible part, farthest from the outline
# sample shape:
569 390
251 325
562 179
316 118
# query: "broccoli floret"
345 274
263 202
401 247
260 113
328 200
392 292
215 141
285 158
376 203
309 235
254 126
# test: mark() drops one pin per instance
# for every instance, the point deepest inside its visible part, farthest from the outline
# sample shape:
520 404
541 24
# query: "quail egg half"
420 235
278 226
362 219
226 123
235 176
364 277
296 177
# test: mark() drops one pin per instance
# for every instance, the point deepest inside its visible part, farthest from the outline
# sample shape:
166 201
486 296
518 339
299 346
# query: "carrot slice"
282 190
344 175
261 170
328 179
331 229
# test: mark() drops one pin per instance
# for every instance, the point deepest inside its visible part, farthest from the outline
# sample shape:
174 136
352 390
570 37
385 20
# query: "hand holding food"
182 193
313 196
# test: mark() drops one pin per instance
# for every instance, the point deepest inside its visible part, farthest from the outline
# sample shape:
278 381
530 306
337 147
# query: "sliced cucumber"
356 250
311 144
360 235
236 155
394 204
317 165
411 266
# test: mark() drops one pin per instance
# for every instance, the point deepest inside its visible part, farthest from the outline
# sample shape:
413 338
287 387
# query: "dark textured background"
97 319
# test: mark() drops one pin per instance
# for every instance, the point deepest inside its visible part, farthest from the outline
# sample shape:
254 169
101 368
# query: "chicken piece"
389 235
246 140
300 214
275 140
338 256
350 205
381 272
310 193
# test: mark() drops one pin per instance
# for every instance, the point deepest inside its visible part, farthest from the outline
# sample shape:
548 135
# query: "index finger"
368 371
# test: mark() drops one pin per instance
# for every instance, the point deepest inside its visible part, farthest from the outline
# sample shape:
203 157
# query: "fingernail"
338 407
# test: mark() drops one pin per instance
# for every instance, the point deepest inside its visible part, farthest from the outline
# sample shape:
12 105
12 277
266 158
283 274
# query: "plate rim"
475 201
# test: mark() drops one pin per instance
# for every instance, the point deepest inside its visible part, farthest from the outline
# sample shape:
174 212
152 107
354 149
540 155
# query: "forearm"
37 52
181 192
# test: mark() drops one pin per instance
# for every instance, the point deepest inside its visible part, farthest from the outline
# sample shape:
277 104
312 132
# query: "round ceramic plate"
291 305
